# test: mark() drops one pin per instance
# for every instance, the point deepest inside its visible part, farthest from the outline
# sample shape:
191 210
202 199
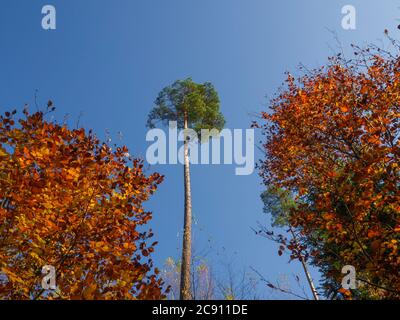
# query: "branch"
272 286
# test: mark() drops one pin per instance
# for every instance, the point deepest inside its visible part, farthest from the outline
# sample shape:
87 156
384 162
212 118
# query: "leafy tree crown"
199 102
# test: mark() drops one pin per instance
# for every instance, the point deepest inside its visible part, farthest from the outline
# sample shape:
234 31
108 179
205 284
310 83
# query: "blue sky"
108 59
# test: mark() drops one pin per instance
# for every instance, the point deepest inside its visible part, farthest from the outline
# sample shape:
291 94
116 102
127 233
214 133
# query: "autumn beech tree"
71 202
332 141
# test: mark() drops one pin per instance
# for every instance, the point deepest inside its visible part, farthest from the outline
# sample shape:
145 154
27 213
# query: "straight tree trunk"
185 292
303 263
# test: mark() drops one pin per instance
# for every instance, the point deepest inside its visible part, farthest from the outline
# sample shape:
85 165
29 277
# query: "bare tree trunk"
185 292
308 276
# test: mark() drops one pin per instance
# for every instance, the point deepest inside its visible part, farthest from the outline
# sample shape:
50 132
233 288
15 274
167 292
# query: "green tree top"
198 103
278 202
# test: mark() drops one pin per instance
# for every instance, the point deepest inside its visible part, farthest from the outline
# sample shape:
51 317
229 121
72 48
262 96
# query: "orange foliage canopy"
69 201
333 141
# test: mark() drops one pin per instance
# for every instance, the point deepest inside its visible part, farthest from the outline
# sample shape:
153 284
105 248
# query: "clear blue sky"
109 58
